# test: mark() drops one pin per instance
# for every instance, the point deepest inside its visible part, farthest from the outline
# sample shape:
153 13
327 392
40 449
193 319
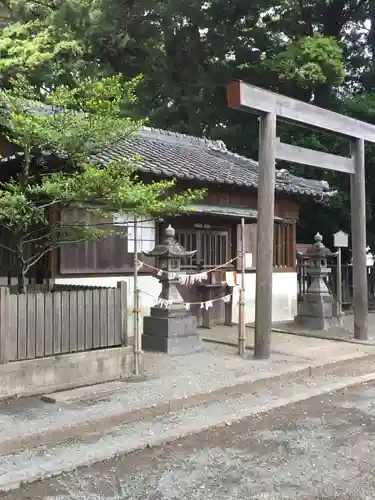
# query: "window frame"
284 246
193 263
64 269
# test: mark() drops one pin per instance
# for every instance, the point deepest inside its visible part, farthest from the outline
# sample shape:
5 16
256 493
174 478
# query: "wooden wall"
285 207
113 249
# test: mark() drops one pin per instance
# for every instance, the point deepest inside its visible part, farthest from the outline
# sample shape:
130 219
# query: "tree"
56 135
187 50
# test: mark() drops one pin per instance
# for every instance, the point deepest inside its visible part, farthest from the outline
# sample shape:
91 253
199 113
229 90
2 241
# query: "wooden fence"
35 325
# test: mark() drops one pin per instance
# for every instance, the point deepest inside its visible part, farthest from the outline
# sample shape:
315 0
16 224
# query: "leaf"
57 134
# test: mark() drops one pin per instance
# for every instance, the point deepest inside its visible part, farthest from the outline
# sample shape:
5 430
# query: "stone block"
172 345
170 327
171 333
317 323
173 311
317 297
316 309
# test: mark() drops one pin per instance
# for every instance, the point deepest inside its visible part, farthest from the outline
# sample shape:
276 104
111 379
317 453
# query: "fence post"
123 312
4 325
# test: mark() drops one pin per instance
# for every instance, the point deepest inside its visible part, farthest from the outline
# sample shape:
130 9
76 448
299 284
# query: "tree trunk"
21 281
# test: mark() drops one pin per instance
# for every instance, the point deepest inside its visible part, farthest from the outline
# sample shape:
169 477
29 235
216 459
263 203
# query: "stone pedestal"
170 331
318 311
170 328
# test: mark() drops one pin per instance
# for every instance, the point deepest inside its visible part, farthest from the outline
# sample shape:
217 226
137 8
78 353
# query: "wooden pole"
136 333
339 282
241 304
266 208
358 212
5 337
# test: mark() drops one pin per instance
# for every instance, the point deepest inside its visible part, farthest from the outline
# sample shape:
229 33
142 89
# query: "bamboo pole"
241 304
136 332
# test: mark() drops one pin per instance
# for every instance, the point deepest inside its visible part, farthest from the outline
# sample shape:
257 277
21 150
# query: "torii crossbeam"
270 107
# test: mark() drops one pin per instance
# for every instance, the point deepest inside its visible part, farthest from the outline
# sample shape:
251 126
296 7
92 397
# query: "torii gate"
270 106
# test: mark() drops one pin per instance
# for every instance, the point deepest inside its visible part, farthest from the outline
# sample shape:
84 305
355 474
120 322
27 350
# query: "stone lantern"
170 327
318 310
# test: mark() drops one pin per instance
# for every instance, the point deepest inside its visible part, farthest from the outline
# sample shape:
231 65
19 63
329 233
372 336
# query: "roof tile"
169 154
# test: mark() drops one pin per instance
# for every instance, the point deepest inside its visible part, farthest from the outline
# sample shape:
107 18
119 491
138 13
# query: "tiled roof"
171 155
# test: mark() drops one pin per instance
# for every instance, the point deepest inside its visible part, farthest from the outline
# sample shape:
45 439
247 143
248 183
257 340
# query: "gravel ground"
321 449
168 378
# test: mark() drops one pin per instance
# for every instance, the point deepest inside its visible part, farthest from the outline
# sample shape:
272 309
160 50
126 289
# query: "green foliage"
70 124
311 61
49 41
187 50
57 133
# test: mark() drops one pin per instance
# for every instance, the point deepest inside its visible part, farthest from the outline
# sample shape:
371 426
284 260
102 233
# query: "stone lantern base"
318 312
170 331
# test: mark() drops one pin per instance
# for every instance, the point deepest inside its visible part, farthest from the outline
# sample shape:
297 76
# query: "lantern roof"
318 250
170 247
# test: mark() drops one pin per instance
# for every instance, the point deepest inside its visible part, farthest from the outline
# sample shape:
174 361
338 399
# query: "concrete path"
343 333
283 341
39 439
337 334
319 449
170 384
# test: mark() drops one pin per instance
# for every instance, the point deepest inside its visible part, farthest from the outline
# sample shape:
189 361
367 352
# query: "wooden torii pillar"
270 107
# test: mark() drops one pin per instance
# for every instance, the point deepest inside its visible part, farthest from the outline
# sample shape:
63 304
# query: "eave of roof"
228 211
173 155
166 154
